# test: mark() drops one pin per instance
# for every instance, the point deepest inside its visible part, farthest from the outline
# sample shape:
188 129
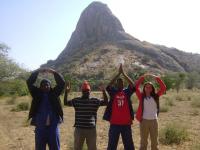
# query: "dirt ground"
15 134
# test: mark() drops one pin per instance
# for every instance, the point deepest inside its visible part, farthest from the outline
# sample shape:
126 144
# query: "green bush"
20 87
23 106
13 87
173 134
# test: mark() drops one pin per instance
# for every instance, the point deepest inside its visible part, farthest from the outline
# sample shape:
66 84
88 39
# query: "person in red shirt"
119 112
148 109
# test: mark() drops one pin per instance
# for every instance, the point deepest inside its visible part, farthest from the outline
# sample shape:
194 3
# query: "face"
120 84
45 87
86 93
148 88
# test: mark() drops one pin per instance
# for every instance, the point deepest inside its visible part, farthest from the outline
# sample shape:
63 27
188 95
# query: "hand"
67 86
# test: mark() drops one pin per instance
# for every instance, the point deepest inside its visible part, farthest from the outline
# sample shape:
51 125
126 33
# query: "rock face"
99 32
96 25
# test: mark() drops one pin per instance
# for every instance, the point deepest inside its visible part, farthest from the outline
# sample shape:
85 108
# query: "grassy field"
179 123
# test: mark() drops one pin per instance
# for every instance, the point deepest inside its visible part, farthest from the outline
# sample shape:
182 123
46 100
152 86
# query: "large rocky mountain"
99 43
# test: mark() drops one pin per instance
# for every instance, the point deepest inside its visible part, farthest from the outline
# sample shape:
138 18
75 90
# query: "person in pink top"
148 109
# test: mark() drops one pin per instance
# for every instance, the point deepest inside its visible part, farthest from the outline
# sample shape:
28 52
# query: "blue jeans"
47 135
126 133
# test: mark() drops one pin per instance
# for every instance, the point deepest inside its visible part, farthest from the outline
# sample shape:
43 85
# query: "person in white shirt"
148 109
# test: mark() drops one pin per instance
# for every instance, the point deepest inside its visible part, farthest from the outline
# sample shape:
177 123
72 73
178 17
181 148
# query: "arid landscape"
183 109
97 46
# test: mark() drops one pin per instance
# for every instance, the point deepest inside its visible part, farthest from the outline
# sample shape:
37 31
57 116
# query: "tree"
179 80
192 80
9 69
169 80
3 50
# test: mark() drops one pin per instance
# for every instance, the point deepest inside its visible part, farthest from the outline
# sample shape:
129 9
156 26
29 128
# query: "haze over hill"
99 43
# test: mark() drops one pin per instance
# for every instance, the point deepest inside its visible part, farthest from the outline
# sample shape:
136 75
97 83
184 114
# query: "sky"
38 30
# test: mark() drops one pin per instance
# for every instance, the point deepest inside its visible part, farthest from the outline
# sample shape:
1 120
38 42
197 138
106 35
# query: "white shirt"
150 109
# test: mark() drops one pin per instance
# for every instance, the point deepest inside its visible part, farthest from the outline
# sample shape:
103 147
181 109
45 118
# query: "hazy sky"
38 30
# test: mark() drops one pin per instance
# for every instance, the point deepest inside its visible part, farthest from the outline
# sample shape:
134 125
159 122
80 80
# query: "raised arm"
60 82
137 87
110 87
105 97
30 82
67 90
162 85
127 78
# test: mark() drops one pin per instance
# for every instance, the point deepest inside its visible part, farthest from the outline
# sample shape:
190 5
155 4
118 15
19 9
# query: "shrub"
13 87
164 108
23 106
173 134
20 87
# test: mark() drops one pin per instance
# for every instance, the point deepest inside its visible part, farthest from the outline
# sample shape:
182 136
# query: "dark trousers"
47 136
126 133
80 135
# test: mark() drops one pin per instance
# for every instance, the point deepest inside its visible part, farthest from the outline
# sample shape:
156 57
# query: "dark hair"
153 93
45 81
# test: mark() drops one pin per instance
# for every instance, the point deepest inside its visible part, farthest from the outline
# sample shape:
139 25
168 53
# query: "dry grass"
195 102
194 112
16 135
196 146
22 106
11 101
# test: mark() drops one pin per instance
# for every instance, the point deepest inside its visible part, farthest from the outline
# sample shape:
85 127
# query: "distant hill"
99 43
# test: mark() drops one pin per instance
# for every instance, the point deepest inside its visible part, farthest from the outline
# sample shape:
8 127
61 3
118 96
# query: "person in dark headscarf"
46 111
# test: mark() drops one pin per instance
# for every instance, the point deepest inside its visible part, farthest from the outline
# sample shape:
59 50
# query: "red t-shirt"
120 110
